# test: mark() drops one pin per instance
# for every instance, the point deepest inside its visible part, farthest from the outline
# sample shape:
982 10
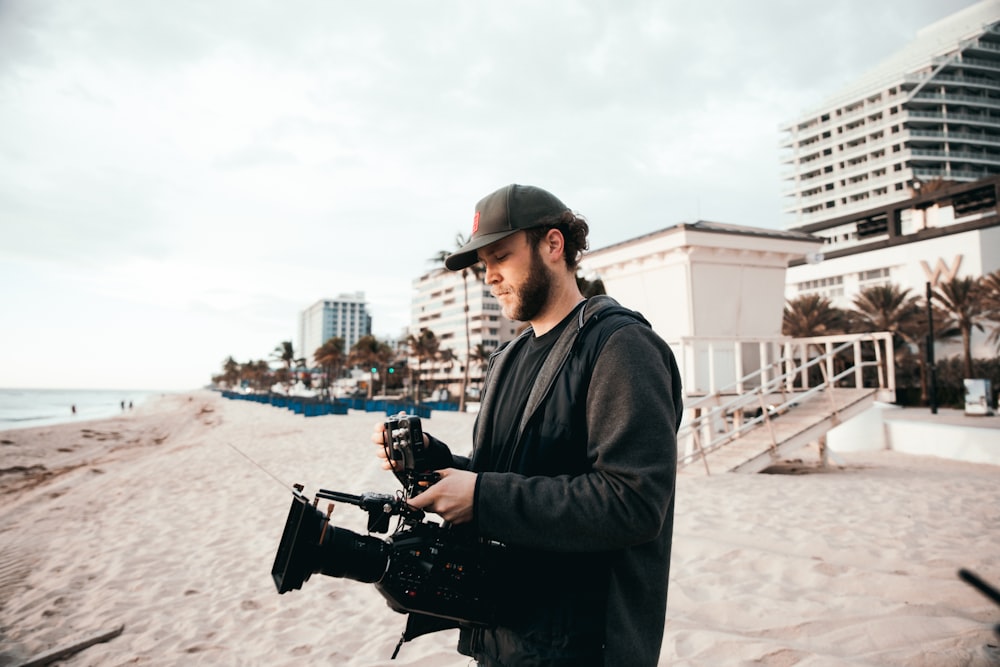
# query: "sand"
152 523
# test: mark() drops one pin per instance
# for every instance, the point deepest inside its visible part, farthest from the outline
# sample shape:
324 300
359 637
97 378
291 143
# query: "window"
873 277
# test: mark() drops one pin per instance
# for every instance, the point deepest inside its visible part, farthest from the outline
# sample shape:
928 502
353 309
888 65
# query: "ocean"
24 408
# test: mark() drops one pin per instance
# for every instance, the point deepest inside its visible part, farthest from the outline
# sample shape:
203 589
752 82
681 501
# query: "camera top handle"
380 506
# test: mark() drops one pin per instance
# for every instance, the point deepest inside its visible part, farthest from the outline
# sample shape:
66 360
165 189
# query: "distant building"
931 111
345 317
439 305
950 231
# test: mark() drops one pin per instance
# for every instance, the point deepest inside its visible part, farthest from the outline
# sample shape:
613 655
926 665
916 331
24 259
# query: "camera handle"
380 506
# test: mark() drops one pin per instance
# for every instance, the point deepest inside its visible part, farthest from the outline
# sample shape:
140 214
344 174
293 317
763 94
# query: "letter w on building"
941 269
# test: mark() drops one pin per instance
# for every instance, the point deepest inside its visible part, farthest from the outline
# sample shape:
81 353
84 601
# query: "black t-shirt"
513 388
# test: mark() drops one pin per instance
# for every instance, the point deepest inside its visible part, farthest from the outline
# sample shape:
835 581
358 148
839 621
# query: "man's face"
517 277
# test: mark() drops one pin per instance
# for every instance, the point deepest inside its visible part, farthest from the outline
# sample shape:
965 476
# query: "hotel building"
438 304
929 112
345 317
950 231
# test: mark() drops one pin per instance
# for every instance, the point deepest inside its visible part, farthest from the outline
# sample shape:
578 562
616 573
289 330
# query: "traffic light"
374 370
391 370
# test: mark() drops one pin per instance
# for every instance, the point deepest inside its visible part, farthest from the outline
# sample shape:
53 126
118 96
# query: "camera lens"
347 554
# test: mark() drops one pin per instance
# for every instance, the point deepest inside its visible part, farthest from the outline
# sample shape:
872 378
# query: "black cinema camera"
423 567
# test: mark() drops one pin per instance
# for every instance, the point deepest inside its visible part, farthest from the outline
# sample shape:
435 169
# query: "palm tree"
481 355
330 356
960 298
477 271
886 308
889 308
446 359
944 327
424 347
812 315
284 353
990 285
370 352
262 372
230 372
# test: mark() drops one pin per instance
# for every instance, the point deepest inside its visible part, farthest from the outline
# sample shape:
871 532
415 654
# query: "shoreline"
35 408
152 521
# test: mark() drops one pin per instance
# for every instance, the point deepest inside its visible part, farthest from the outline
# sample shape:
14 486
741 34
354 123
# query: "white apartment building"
345 317
439 305
931 111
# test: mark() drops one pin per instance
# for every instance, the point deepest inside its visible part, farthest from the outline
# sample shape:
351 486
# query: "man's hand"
451 497
378 437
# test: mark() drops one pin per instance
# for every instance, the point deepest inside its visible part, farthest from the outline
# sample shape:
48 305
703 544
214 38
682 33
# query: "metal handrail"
728 389
729 436
775 384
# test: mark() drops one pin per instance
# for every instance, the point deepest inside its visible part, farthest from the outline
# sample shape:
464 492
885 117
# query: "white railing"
717 418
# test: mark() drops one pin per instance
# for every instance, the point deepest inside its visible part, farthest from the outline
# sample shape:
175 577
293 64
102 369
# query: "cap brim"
467 255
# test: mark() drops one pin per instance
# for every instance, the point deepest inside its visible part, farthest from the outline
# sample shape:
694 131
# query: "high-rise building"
929 112
344 317
439 302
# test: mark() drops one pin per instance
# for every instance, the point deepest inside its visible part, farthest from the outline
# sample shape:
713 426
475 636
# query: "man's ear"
555 244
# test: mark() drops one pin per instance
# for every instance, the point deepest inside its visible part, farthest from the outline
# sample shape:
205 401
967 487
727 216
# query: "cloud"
211 169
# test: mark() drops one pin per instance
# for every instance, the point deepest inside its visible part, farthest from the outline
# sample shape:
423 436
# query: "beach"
158 529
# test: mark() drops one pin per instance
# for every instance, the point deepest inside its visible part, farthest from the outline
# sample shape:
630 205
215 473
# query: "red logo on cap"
475 223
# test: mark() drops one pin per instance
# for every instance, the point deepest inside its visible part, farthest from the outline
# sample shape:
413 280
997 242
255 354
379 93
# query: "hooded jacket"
584 498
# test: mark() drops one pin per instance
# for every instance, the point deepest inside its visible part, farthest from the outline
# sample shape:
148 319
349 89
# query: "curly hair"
574 229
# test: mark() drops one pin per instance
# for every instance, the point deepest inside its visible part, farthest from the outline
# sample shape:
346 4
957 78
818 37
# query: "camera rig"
422 568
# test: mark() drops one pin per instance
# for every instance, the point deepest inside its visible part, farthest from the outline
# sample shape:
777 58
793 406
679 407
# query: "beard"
531 296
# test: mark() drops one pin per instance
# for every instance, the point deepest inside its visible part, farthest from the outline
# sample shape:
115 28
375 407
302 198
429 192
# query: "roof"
720 228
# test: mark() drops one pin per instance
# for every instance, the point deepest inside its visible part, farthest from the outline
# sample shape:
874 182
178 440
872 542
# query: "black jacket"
585 501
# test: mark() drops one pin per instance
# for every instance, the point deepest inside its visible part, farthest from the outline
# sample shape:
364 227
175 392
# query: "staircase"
751 430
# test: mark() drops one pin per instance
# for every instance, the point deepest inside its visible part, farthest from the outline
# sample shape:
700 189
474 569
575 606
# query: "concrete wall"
950 434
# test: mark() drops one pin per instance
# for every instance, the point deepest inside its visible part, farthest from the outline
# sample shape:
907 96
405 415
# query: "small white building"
714 291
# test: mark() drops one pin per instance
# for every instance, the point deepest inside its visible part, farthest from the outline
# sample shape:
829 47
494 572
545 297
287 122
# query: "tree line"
956 308
378 358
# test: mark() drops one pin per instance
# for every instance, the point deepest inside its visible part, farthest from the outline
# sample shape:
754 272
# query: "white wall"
974 253
948 435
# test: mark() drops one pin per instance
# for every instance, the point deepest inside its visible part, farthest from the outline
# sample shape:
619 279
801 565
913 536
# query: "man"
574 452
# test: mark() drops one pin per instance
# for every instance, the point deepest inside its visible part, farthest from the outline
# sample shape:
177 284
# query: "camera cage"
422 568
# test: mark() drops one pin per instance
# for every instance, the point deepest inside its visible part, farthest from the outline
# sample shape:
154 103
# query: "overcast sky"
178 180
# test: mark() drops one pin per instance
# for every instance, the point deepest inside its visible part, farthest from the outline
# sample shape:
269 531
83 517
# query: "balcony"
985 120
984 101
957 156
925 173
957 137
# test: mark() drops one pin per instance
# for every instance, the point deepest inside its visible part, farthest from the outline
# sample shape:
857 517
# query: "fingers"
378 439
378 433
451 497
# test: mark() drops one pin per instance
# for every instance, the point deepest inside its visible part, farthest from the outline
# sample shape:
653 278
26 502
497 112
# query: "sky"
179 180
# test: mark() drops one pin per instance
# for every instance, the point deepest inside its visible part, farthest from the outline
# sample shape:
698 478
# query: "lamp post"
931 369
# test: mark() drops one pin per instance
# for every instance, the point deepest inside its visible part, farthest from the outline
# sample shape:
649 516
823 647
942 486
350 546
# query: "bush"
950 385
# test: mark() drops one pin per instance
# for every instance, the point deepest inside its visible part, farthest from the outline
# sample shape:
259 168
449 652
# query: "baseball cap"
502 213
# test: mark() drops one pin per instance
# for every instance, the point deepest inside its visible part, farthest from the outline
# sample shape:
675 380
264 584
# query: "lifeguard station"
715 292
